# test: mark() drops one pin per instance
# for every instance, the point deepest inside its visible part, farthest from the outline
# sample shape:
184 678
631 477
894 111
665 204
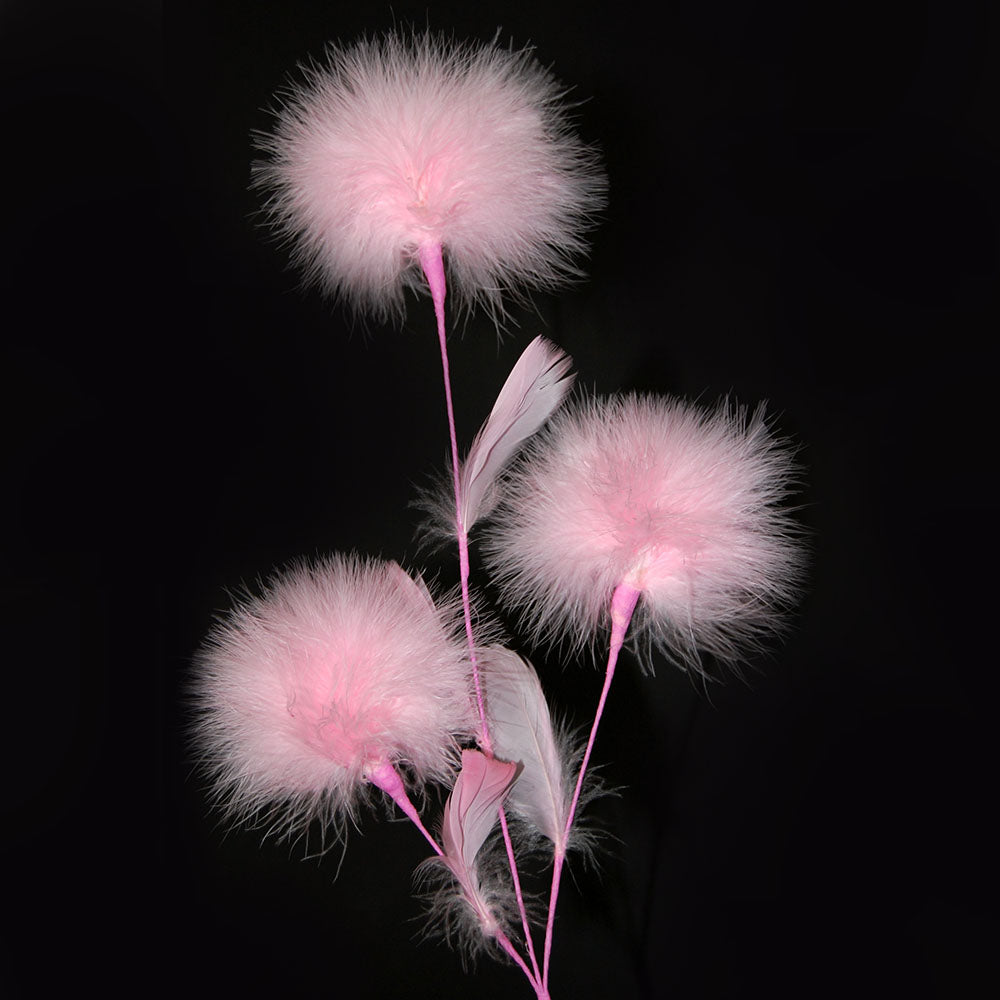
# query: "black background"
803 209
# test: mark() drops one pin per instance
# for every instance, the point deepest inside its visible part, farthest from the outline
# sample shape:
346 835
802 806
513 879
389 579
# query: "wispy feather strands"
399 142
685 504
336 668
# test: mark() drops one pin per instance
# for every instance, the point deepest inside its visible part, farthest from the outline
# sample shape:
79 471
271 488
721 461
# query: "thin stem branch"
386 777
540 991
517 891
623 603
433 266
432 262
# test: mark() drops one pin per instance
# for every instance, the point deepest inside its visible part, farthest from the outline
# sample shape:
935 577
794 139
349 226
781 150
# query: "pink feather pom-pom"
337 668
396 143
684 504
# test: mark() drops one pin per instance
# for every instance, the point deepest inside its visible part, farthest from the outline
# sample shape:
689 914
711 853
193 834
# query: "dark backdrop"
803 210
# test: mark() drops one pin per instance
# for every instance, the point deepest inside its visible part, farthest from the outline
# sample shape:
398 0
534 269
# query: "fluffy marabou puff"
685 504
397 142
336 667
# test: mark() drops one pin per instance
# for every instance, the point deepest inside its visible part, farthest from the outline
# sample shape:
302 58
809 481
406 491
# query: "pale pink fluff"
685 504
338 666
398 142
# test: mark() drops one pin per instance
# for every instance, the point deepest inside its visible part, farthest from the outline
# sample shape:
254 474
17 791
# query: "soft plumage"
470 814
535 388
398 142
337 668
522 731
471 900
685 504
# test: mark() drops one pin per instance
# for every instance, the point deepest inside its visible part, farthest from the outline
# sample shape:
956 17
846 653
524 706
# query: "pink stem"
433 266
385 776
623 603
517 892
432 263
540 991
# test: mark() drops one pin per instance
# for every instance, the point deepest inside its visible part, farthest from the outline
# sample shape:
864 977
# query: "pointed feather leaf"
471 809
536 386
522 732
469 815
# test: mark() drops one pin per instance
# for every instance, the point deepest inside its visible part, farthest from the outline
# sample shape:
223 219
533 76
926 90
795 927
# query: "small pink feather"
686 505
536 386
521 730
398 143
470 814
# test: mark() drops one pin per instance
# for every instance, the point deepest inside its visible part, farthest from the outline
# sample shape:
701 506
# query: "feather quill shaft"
536 386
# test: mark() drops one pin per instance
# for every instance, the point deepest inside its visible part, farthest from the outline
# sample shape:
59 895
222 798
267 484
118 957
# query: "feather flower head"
397 143
683 504
336 670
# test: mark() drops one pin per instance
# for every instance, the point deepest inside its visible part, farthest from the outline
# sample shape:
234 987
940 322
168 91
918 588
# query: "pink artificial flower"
683 504
338 671
396 144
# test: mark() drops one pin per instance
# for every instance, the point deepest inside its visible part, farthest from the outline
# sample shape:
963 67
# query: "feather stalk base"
623 602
